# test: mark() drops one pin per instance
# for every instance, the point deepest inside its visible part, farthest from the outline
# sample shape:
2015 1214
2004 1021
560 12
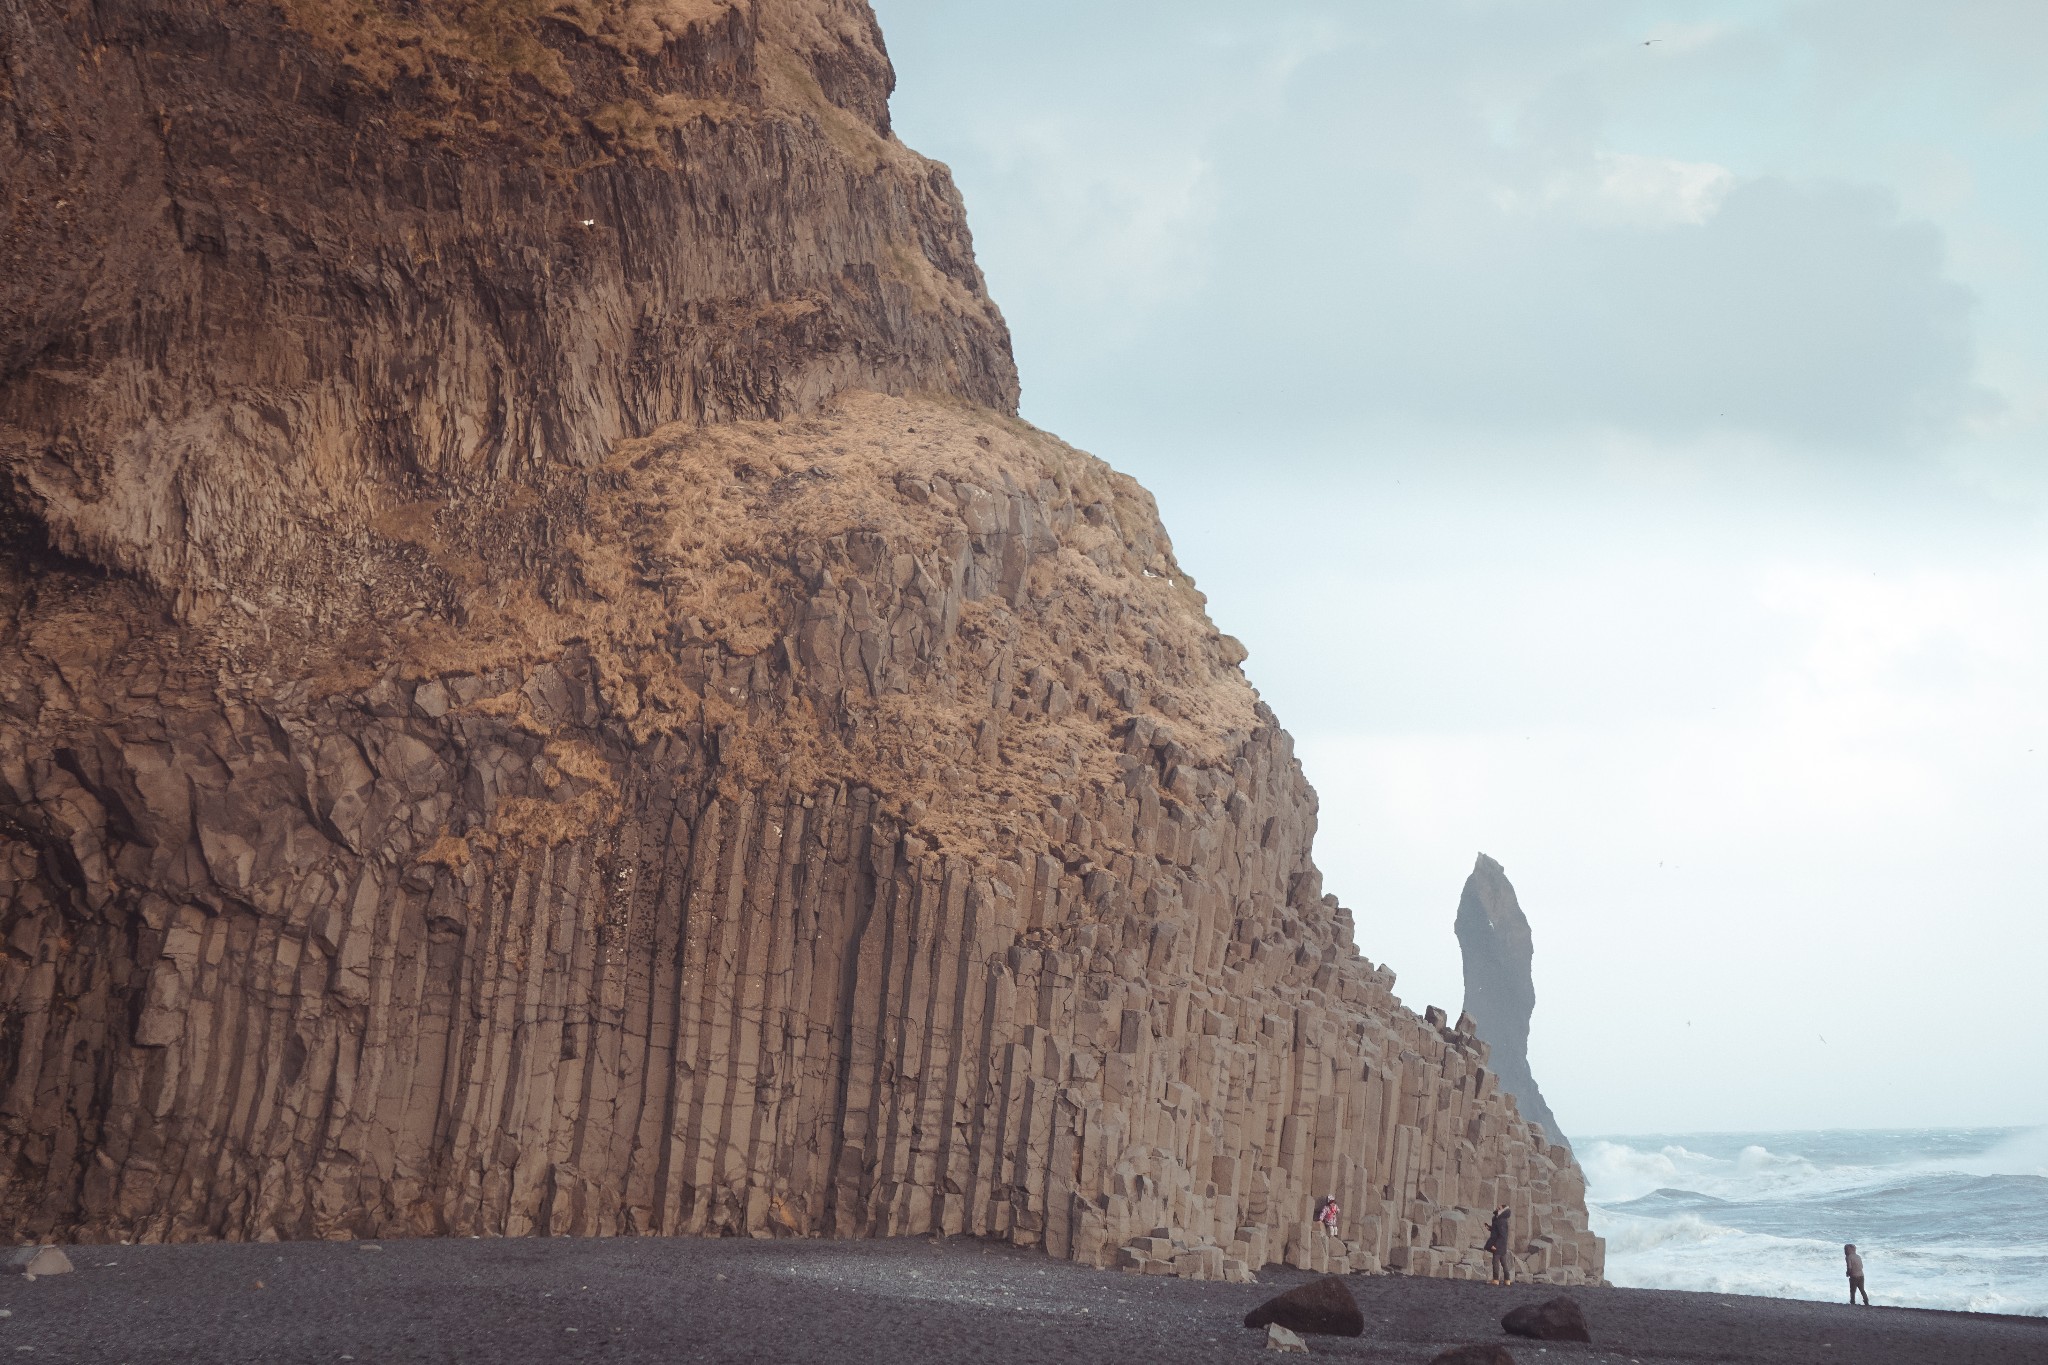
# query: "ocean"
1943 1217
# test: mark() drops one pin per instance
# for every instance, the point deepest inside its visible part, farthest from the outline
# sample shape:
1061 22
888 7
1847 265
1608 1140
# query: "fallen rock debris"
1278 1338
35 1262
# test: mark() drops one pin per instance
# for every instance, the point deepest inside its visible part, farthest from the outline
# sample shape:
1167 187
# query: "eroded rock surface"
1500 987
516 724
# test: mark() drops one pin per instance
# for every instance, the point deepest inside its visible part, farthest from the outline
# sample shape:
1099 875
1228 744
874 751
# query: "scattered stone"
1278 1338
1558 1319
36 1262
1322 1306
1481 1354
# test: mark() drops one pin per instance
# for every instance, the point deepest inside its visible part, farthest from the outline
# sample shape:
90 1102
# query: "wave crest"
1954 1219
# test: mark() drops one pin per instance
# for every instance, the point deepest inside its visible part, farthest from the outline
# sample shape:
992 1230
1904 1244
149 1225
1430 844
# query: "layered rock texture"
1500 984
544 688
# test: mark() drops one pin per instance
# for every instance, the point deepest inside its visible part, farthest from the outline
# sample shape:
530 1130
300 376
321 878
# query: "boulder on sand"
1322 1306
1486 1354
1557 1319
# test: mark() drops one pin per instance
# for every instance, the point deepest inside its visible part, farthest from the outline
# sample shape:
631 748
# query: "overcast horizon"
1617 432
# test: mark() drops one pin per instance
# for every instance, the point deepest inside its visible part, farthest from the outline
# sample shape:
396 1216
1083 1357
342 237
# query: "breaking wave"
1944 1218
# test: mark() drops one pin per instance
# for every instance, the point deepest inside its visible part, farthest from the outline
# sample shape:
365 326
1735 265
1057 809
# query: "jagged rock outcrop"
1500 986
544 688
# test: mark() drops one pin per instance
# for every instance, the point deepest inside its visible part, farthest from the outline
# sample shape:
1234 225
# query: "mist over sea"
1944 1217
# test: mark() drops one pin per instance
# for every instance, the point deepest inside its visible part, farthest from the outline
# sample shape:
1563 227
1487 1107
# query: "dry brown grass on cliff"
692 537
481 48
515 70
642 26
638 126
507 70
701 529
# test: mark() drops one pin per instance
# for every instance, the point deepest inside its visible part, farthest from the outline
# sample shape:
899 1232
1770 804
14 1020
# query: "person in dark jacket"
1497 1243
1855 1274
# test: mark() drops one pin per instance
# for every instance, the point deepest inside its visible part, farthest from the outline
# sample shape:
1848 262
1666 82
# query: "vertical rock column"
1500 989
468 952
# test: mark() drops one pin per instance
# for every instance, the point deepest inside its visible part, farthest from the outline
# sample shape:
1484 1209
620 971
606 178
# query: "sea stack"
545 688
1500 989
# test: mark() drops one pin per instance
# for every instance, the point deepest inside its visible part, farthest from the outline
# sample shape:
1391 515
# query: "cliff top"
269 269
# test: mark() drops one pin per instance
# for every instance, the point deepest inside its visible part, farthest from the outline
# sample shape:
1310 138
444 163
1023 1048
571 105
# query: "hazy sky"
1628 458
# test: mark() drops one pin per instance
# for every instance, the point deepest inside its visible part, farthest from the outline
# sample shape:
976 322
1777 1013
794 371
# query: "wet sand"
906 1302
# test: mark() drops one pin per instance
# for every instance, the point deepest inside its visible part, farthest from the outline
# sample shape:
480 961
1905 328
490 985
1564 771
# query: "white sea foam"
1944 1219
2023 1153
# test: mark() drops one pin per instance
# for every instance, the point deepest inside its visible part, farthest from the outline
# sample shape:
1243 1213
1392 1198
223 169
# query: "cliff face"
545 689
1500 987
270 271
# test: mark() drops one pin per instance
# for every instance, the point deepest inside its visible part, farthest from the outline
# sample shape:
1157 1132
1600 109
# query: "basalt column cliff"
544 688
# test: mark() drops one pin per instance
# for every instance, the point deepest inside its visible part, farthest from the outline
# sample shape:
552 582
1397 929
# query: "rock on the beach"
1558 1319
38 1261
1478 1354
1278 1338
1322 1306
1164 1253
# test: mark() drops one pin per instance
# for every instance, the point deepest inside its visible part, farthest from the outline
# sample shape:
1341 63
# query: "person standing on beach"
1855 1275
1497 1243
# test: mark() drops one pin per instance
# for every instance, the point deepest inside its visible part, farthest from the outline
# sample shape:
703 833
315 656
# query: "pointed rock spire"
1500 993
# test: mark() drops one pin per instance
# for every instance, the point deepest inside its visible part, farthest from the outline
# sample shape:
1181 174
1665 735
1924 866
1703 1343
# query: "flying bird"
1648 41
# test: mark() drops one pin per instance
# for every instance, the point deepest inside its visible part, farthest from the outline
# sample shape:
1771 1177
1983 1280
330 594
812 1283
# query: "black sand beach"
507 1302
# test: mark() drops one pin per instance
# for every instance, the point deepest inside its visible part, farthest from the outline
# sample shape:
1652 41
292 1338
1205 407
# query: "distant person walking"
1497 1234
1327 1213
1855 1274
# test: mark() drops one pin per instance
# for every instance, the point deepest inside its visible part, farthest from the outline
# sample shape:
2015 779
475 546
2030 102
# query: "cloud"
1839 829
1644 294
1623 189
1518 393
1113 229
1408 215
